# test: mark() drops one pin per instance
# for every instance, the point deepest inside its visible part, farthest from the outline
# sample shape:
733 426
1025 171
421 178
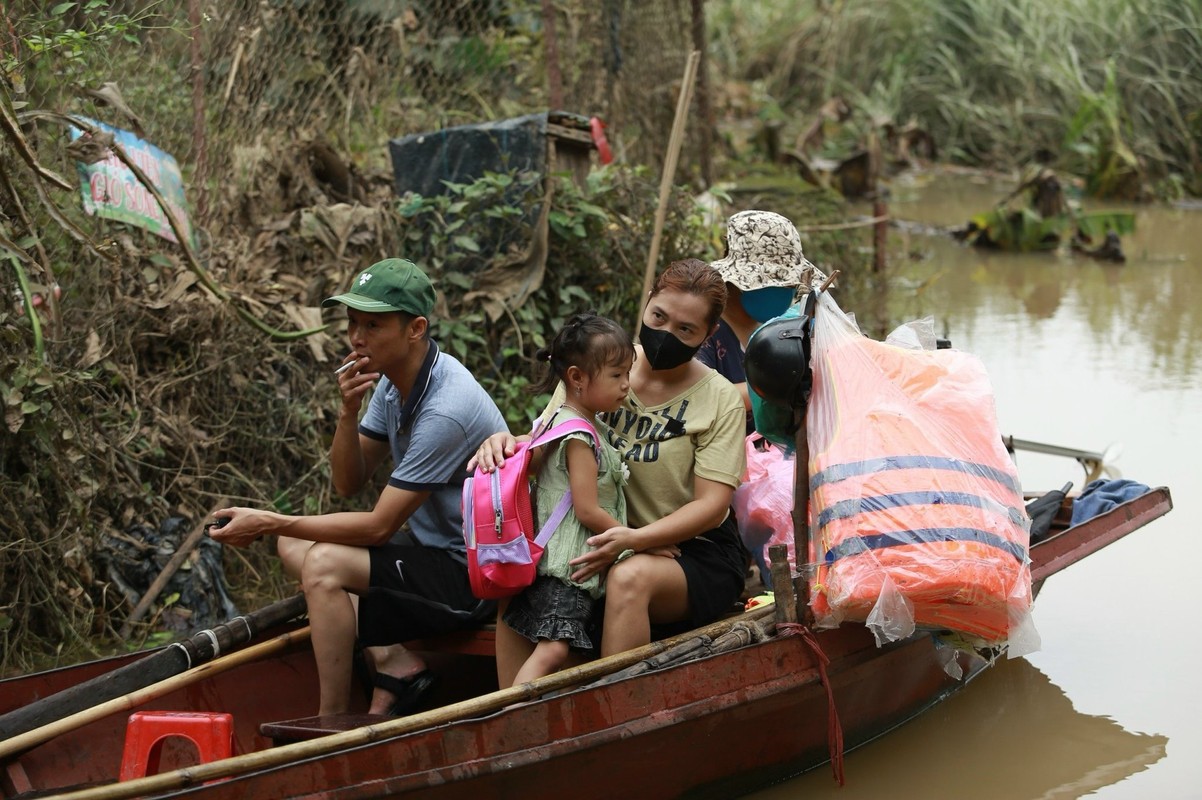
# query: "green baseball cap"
393 284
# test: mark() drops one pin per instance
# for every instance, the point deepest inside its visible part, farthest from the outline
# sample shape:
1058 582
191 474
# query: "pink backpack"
498 519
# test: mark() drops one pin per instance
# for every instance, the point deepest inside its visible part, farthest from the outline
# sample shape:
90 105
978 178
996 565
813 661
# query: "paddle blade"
1110 457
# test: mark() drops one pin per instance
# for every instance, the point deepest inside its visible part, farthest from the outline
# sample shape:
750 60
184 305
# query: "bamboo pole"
485 704
134 699
845 226
801 496
782 585
704 107
551 49
665 183
801 519
880 233
200 150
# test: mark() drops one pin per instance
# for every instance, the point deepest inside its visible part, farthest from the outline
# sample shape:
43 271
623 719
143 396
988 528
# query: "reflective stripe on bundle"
954 549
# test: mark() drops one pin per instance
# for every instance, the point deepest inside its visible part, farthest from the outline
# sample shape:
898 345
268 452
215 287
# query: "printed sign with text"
111 190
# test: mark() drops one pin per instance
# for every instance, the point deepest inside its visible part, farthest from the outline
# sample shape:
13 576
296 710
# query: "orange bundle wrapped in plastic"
919 518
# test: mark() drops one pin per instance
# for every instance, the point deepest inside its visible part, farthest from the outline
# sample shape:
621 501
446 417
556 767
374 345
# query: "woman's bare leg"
641 590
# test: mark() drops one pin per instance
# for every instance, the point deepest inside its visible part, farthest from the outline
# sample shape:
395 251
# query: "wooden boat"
692 726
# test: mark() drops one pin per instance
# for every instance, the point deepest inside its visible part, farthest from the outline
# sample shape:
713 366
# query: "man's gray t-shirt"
433 433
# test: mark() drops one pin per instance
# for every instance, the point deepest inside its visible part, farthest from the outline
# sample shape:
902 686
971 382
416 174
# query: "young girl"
536 632
681 432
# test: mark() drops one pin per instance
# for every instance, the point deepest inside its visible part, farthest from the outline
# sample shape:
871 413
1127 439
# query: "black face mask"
663 350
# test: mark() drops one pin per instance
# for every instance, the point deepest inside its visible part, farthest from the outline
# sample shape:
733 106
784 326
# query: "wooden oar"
156 666
478 706
134 699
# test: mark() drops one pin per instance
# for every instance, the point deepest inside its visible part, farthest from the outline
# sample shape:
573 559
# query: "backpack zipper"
495 484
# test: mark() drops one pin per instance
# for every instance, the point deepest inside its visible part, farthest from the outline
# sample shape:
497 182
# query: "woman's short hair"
694 276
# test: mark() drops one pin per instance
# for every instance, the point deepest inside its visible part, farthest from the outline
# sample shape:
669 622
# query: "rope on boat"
740 634
834 728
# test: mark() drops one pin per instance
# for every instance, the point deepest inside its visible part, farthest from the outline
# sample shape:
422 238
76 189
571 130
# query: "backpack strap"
555 433
565 428
557 514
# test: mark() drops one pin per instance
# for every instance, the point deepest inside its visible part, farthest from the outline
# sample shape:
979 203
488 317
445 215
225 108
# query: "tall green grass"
1107 88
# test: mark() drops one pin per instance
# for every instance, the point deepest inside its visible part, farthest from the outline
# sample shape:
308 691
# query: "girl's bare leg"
548 657
512 649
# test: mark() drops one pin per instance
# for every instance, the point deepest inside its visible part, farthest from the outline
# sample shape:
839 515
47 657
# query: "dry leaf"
93 353
182 281
307 317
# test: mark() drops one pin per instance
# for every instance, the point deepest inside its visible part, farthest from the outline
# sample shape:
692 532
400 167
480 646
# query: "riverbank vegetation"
1109 91
145 381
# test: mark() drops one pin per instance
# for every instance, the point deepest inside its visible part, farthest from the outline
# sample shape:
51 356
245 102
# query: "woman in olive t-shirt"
679 562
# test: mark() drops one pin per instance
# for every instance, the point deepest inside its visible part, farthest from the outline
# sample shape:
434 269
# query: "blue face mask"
767 303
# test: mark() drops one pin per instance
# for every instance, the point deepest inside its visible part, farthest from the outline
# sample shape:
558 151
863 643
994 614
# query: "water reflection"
1012 730
1044 298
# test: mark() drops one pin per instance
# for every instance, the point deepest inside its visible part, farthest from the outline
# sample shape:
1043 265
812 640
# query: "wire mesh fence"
226 87
128 377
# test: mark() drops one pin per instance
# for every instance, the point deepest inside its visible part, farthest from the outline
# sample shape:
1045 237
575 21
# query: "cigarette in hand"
346 366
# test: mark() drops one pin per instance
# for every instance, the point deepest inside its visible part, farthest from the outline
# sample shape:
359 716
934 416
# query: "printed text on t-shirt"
646 430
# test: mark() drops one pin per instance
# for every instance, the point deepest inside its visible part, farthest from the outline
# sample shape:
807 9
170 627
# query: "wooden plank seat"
305 728
472 642
480 641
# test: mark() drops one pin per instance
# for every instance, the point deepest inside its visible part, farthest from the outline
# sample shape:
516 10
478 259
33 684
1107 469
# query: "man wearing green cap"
431 414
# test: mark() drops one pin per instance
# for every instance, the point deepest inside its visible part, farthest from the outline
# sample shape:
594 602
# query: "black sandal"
408 692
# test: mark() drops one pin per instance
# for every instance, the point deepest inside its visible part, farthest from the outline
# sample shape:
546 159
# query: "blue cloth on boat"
1104 494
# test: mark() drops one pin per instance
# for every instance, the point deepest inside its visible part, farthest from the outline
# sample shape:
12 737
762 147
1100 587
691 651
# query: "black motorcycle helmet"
777 361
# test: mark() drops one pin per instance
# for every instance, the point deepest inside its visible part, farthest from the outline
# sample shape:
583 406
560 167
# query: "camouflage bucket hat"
762 249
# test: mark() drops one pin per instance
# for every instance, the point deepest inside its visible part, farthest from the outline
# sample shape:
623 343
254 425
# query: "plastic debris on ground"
195 597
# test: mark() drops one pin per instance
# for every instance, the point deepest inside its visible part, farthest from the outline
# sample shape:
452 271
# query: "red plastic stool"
211 732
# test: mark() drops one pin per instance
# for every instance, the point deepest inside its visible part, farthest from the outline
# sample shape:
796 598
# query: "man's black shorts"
415 592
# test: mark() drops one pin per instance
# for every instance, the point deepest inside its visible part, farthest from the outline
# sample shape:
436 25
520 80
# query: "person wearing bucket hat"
429 413
763 268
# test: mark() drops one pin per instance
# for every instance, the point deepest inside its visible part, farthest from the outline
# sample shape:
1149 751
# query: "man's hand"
354 381
241 526
493 452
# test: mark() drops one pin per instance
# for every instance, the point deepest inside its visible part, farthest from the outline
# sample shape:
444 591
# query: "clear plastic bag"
919 519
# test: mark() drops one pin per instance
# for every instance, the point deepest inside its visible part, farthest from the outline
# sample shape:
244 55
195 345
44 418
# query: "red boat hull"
713 727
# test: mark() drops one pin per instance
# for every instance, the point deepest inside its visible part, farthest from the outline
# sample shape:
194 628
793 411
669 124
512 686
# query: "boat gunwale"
1134 514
